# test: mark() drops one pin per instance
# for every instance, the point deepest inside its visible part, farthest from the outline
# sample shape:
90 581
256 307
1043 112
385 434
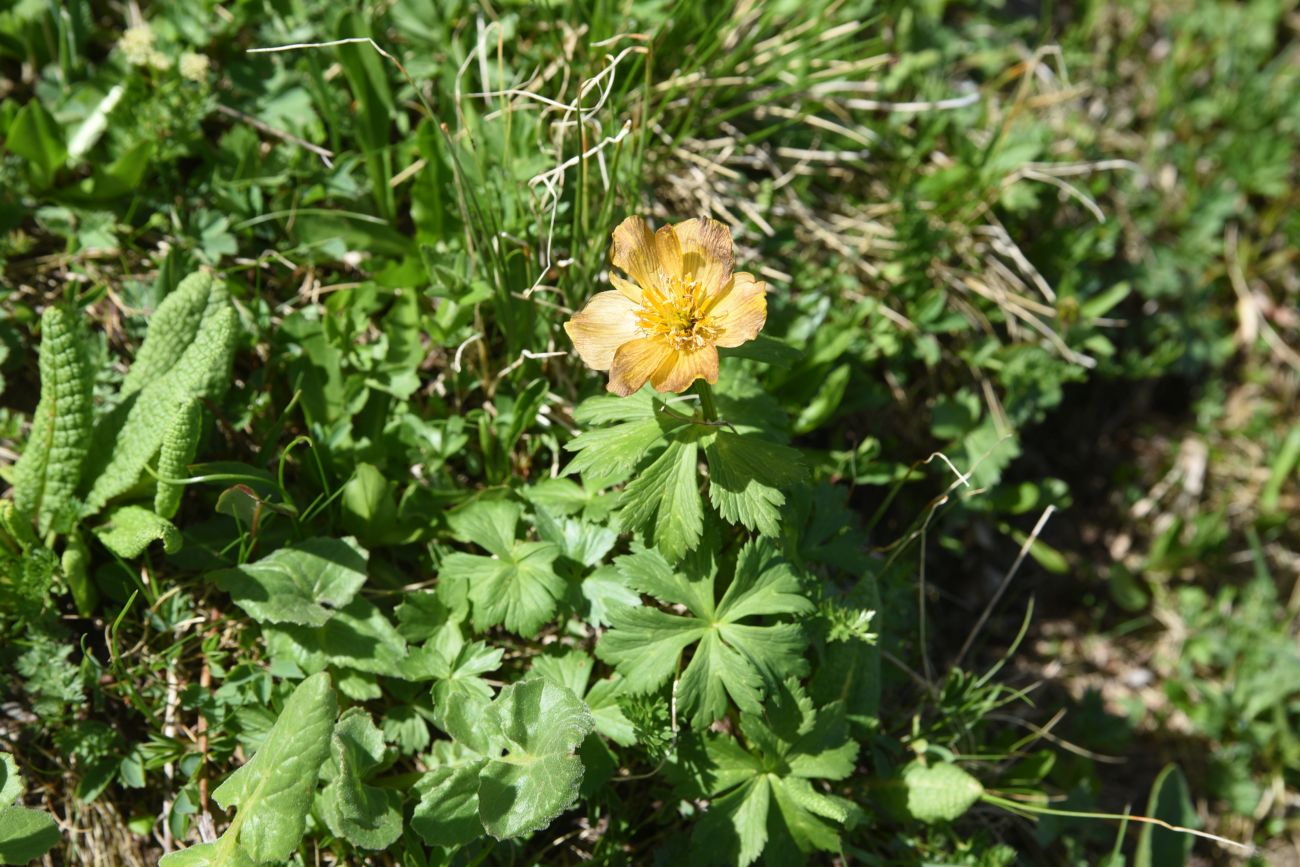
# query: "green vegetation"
324 546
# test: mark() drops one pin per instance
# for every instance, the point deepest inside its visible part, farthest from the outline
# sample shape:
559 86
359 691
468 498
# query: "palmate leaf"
606 456
516 586
663 503
512 768
731 658
274 790
763 800
454 665
746 477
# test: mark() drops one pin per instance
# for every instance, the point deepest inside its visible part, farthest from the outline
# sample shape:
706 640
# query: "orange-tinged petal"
634 252
669 251
646 358
599 329
740 311
627 287
706 252
687 367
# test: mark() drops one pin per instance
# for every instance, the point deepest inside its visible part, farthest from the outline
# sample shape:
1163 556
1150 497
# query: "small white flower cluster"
195 66
137 46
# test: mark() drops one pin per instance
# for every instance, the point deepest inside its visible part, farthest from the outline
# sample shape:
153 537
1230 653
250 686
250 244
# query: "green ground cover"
321 544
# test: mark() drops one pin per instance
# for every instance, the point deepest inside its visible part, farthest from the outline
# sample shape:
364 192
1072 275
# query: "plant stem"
705 391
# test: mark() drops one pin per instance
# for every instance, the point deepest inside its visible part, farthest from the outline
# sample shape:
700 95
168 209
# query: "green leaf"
447 813
584 542
47 474
746 476
300 584
830 392
369 506
767 350
365 816
356 636
215 854
26 835
139 425
938 792
176 454
663 503
1171 802
36 136
605 590
274 790
173 328
763 798
130 529
11 785
537 778
572 670
455 665
731 658
514 764
609 455
517 586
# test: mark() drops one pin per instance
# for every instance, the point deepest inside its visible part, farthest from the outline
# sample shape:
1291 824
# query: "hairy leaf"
130 529
173 328
47 474
176 454
515 763
364 815
201 372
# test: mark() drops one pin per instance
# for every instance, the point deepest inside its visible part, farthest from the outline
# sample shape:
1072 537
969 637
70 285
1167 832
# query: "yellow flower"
683 301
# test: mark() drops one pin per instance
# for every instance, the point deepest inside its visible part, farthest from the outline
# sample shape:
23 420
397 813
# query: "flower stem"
705 391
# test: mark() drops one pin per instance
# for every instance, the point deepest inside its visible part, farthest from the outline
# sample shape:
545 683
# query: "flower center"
679 313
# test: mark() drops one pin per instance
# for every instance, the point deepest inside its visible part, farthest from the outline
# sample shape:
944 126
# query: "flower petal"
633 251
627 287
669 251
740 310
635 362
687 367
706 252
600 328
